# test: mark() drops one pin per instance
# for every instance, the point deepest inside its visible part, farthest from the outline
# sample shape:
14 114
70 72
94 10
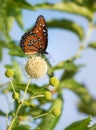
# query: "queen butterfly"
35 40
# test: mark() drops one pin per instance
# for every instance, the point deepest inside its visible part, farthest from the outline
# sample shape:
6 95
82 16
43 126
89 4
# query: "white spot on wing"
44 30
39 28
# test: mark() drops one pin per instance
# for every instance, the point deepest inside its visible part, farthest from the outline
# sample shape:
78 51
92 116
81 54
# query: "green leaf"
15 123
77 88
18 73
93 127
79 125
90 4
49 122
2 113
15 13
69 7
23 111
80 2
18 52
1 52
21 4
3 22
67 65
21 127
67 24
68 74
87 3
84 108
33 88
9 23
36 111
18 17
30 109
8 45
14 49
92 45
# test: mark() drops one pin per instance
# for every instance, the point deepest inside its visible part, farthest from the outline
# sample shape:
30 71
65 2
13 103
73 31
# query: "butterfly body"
35 40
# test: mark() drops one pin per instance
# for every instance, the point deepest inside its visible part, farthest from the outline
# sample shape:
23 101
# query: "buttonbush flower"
36 67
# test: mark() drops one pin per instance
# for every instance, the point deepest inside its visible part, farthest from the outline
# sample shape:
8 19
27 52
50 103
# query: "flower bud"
48 95
54 81
16 96
9 73
56 111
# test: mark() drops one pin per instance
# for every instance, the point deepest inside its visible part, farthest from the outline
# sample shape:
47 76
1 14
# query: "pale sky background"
62 44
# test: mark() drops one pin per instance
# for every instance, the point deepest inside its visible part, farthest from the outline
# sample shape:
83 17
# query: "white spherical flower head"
36 67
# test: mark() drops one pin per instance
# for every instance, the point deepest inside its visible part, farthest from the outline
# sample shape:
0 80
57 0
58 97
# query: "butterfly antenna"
51 58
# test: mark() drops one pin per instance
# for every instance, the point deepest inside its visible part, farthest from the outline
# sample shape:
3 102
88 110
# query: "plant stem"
45 114
85 41
36 96
10 105
12 86
26 89
19 107
10 127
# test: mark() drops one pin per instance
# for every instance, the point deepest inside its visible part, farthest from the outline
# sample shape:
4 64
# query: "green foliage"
92 45
20 4
67 24
79 89
0 52
92 127
16 123
84 107
49 121
17 70
80 125
31 107
67 65
21 127
69 7
88 3
2 113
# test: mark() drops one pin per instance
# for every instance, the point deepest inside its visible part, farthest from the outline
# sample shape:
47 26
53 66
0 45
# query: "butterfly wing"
35 41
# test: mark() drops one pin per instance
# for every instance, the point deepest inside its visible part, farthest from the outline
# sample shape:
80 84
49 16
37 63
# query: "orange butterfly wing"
36 40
